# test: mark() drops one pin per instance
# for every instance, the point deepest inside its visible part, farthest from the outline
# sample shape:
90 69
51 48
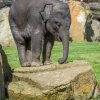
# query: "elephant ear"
46 11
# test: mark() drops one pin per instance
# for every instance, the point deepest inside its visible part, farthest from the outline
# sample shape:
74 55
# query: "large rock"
72 81
2 89
5 3
5 33
79 14
93 30
93 23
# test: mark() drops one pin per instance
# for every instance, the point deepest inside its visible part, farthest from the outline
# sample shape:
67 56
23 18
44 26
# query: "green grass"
77 51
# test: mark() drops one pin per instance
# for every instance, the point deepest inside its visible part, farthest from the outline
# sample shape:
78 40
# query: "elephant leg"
20 43
28 51
47 48
22 54
36 48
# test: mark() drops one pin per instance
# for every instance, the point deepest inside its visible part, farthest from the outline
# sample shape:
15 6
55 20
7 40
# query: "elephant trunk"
65 43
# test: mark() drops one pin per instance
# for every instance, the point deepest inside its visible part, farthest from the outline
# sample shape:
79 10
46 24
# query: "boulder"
2 89
5 33
92 30
72 81
5 3
79 13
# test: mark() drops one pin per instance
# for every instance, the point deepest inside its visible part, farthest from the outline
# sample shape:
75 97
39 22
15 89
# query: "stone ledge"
21 90
72 81
49 67
52 79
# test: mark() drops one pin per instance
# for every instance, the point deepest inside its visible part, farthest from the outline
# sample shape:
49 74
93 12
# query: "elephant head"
56 16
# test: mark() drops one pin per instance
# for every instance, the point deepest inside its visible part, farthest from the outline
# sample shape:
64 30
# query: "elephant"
35 25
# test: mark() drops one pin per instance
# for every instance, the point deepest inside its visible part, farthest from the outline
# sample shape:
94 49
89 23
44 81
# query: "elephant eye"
58 23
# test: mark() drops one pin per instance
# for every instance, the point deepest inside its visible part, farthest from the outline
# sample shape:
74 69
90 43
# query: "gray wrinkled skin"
37 23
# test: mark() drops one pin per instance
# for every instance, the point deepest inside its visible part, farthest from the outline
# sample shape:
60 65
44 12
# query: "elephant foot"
36 64
62 61
26 64
48 62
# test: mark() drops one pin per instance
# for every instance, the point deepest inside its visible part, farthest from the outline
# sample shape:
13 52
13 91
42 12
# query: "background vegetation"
89 51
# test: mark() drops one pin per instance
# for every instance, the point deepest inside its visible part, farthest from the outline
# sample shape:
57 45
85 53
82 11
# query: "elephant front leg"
36 49
47 48
28 51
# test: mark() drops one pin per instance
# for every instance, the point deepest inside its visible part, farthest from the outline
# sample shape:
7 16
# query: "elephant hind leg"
20 43
47 48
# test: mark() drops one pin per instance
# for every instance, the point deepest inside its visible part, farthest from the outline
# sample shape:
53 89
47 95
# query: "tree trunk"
2 89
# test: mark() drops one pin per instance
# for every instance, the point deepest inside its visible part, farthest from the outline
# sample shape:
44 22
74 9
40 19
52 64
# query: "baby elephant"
36 24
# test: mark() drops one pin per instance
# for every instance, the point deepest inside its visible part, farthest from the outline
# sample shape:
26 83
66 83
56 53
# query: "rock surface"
93 30
72 81
79 13
2 89
93 26
5 33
